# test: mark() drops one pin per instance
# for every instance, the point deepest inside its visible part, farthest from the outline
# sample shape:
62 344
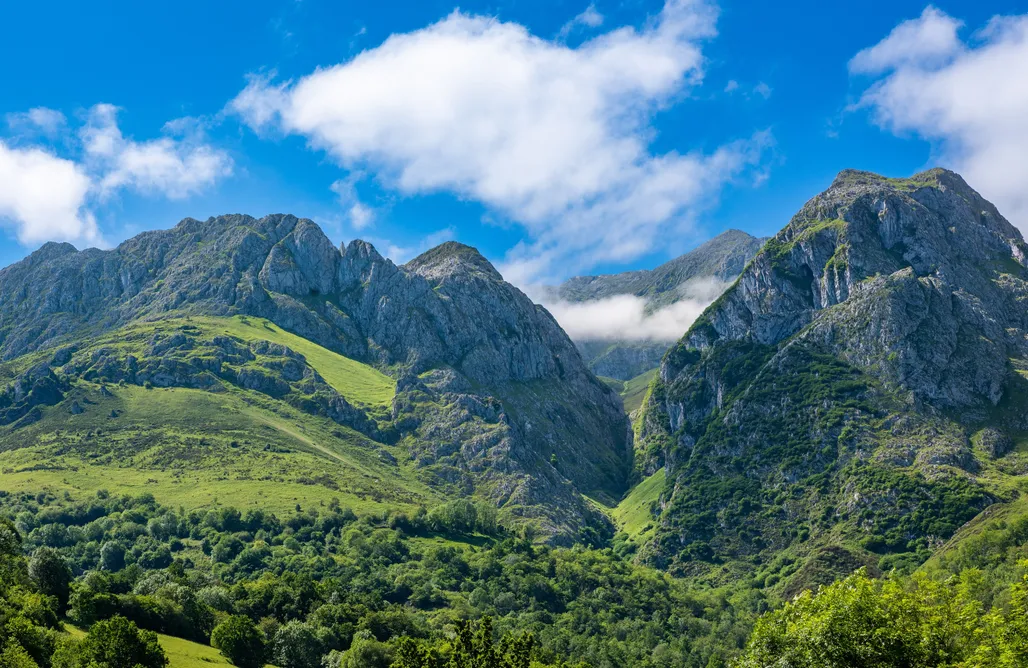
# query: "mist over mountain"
623 323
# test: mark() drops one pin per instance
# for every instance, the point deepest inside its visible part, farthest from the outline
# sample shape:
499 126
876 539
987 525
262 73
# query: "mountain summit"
852 396
490 394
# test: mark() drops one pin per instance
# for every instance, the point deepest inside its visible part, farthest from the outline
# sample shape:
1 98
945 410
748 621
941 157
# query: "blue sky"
558 137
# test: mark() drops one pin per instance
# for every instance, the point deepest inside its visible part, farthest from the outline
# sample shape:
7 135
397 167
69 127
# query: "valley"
235 422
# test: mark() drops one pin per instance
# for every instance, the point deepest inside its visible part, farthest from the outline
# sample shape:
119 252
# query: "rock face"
717 262
838 386
489 386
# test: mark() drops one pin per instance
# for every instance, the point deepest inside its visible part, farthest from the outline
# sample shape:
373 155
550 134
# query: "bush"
118 643
239 641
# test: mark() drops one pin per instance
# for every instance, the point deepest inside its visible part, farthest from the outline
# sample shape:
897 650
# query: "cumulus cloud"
928 40
970 98
553 138
43 197
627 318
175 168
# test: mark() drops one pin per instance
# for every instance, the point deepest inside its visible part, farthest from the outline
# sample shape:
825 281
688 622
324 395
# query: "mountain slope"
484 389
857 394
690 276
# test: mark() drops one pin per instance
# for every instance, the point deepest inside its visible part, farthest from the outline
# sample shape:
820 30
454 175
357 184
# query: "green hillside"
634 391
197 449
359 383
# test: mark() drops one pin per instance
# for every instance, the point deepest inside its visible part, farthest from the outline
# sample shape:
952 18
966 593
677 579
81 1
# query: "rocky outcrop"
447 311
37 386
836 386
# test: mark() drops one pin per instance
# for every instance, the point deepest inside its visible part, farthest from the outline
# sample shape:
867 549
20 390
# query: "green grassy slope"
358 383
633 393
634 514
224 445
197 449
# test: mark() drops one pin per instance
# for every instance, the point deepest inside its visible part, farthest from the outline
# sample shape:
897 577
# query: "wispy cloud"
553 138
970 98
401 254
589 18
627 317
359 214
48 122
175 168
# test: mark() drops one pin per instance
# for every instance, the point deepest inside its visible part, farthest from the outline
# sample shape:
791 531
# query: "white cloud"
175 168
46 196
927 40
43 197
38 119
761 89
360 214
589 18
970 99
625 318
552 137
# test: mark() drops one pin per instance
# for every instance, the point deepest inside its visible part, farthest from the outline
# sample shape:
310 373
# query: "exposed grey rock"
37 386
917 278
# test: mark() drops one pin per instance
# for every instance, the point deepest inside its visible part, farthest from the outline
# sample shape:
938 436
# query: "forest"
92 582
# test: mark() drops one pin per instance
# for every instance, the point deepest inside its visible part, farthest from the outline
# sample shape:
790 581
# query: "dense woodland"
451 587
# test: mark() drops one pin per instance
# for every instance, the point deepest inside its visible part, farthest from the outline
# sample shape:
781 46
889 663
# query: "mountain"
404 385
693 275
723 257
854 398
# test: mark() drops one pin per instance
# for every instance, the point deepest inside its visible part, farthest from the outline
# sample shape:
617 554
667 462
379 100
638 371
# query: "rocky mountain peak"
50 251
452 258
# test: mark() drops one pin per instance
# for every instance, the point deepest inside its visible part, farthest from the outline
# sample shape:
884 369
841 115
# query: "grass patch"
634 391
634 515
